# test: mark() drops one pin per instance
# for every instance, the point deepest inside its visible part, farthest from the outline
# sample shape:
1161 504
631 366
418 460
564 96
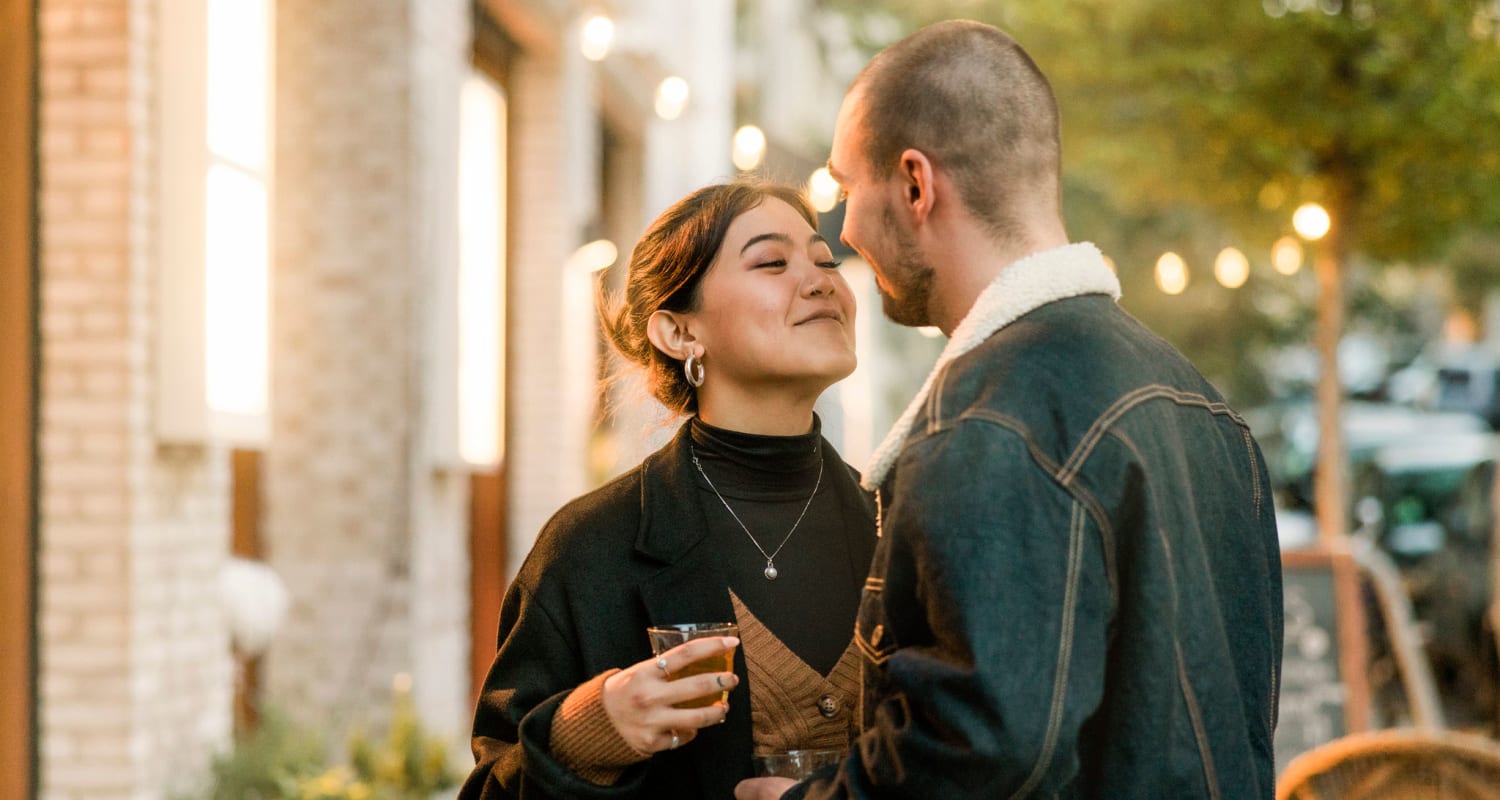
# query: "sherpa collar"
1025 285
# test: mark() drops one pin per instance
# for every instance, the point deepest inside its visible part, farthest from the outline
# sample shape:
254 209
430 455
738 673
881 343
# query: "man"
1077 591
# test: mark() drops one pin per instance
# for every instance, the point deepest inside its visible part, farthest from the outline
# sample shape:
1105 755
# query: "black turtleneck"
767 480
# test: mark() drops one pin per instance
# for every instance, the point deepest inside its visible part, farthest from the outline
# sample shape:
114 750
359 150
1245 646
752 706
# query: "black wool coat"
631 554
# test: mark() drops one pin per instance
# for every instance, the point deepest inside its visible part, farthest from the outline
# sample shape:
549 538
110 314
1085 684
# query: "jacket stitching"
1064 652
1077 492
1254 469
1205 756
875 656
1255 481
935 401
1204 753
1096 432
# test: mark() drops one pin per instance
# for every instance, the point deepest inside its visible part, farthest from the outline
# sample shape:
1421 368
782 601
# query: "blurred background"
298 349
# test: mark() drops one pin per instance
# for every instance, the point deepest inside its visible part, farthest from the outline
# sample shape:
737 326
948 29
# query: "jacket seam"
1205 755
557 629
1124 405
935 401
1064 652
1254 468
1048 466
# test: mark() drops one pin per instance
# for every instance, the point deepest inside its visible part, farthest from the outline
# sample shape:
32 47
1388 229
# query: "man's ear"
918 180
668 331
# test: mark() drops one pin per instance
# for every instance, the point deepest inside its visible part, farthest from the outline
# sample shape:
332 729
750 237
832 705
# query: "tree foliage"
1194 126
1246 108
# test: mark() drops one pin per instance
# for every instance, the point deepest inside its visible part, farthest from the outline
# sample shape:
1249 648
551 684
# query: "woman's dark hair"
667 268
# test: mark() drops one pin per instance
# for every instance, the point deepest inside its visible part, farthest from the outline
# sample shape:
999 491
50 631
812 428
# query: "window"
215 73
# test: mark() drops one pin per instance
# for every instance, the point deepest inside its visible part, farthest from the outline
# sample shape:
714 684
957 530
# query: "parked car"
1435 520
1289 435
1422 480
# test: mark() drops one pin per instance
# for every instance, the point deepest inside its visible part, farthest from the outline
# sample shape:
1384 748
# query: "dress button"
828 706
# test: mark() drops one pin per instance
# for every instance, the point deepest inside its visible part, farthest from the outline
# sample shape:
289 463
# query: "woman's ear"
668 332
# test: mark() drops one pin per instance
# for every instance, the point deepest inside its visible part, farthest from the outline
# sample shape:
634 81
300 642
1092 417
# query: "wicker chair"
1396 765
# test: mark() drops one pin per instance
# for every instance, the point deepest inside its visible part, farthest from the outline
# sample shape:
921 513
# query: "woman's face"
773 307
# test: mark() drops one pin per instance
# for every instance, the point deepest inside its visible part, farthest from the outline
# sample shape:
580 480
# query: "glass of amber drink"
666 637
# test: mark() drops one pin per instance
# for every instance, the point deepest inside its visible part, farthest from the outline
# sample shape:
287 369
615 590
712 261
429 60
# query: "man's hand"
763 788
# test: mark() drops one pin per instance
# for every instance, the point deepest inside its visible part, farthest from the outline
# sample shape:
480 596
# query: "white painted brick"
56 19
103 200
109 18
85 49
108 79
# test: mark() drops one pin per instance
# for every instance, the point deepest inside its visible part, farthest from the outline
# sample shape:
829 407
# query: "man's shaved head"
967 96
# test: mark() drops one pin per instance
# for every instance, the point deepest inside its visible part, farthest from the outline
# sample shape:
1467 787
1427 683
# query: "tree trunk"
1494 609
1330 479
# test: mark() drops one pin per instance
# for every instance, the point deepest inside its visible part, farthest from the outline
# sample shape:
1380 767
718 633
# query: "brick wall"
439 644
336 470
554 158
362 518
365 527
134 660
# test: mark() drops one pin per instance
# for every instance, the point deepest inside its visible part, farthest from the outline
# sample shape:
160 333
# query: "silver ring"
661 664
675 741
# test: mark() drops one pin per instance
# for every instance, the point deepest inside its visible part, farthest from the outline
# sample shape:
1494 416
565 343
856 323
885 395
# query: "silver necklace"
770 571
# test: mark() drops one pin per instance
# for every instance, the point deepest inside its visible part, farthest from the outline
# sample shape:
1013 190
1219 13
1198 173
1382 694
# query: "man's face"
873 226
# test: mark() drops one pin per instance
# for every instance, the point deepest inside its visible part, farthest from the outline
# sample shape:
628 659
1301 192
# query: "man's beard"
907 276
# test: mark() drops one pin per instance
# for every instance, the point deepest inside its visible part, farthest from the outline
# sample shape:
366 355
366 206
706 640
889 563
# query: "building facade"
299 346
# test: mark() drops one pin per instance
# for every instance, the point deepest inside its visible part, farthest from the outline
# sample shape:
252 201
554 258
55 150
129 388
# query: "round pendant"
770 571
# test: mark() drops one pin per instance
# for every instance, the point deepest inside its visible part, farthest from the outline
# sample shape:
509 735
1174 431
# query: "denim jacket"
1077 590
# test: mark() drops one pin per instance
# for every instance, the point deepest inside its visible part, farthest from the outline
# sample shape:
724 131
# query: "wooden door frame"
494 52
18 393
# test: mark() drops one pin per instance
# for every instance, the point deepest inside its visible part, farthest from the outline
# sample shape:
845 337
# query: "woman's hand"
639 699
763 788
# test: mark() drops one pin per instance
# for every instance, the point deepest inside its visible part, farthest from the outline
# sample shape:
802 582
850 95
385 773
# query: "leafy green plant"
282 762
409 764
269 764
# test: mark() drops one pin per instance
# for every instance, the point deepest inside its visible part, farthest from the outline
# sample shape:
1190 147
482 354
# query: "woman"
735 309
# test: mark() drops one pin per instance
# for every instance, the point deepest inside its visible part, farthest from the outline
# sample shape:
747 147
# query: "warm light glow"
671 97
1272 196
1311 221
1110 262
1286 255
239 76
930 331
1171 273
1460 327
236 246
236 291
1231 268
597 35
823 190
481 271
594 256
749 147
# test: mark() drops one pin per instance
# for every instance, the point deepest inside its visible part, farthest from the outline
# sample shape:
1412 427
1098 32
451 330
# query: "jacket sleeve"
535 669
993 571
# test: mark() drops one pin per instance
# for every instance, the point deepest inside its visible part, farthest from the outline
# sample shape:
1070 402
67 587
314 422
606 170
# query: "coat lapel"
692 586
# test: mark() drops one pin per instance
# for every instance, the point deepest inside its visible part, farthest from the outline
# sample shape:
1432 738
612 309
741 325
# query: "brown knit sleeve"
585 741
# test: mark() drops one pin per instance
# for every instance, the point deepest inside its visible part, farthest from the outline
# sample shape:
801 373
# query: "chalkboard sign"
1324 693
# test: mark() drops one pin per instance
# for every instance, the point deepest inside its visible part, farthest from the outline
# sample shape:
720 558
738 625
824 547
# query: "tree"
1387 114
